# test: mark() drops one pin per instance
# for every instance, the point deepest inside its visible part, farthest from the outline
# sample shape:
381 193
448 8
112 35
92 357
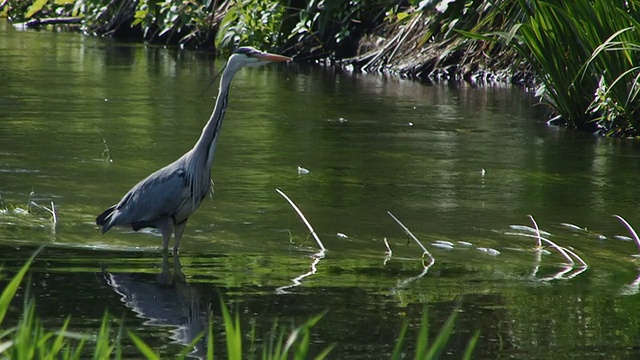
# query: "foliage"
332 28
252 22
424 40
585 55
185 21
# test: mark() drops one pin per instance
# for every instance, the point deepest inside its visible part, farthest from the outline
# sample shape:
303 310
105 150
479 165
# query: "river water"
83 119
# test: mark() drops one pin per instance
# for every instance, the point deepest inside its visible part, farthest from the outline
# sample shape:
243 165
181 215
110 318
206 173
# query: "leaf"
35 7
144 348
10 290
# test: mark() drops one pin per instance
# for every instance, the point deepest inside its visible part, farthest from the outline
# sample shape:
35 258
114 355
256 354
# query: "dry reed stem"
539 246
53 213
388 253
386 243
631 230
561 249
313 232
408 232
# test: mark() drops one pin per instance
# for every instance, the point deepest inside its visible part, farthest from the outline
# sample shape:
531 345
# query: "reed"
585 55
424 350
634 234
410 234
304 220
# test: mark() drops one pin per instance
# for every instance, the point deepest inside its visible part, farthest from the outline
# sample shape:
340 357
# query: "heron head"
248 56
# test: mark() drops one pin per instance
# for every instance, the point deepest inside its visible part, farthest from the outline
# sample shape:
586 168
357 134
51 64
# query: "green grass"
29 339
585 56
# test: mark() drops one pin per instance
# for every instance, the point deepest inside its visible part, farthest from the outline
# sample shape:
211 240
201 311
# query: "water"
453 163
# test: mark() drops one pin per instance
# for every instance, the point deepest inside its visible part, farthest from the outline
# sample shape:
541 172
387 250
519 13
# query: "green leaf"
9 292
468 353
35 7
144 348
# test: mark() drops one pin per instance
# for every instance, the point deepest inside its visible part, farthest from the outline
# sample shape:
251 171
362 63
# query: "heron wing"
160 195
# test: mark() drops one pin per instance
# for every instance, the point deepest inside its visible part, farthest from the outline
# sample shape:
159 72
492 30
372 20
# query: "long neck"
205 147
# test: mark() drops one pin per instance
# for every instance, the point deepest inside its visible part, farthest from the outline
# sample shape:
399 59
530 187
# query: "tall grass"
585 54
29 339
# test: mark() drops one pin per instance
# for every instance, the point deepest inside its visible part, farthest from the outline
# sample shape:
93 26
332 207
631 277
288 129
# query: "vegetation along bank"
581 57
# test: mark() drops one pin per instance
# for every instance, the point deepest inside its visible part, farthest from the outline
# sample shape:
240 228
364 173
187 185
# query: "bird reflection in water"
169 301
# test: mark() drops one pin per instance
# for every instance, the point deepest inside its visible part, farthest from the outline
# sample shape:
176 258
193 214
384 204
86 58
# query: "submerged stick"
631 230
29 201
408 232
106 153
293 205
388 253
53 212
561 249
386 243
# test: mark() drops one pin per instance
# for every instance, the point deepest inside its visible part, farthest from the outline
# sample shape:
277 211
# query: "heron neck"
206 144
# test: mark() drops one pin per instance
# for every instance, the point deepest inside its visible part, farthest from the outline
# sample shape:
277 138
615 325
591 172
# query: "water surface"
456 164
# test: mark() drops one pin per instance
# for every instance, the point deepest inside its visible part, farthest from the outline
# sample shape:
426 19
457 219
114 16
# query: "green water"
372 144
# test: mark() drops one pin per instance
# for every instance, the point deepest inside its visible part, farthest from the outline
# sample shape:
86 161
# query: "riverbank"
481 42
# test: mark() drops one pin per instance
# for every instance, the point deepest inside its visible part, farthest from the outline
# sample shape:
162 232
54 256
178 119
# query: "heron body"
166 198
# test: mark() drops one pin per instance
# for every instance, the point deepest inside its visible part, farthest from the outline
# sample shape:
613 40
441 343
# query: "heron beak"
273 57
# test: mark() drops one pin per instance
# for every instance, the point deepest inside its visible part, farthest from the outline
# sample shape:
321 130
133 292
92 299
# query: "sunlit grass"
585 56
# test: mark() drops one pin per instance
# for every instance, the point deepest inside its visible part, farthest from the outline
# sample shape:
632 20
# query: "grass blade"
10 291
146 351
443 336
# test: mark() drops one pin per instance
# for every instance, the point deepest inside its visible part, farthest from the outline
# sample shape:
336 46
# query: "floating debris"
442 245
342 236
483 172
623 238
529 229
490 251
573 227
443 242
302 171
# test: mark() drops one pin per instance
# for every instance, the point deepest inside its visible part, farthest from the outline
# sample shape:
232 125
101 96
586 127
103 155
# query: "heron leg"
178 235
166 228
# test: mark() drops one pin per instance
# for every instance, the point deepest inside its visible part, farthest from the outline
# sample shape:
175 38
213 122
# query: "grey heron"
166 198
